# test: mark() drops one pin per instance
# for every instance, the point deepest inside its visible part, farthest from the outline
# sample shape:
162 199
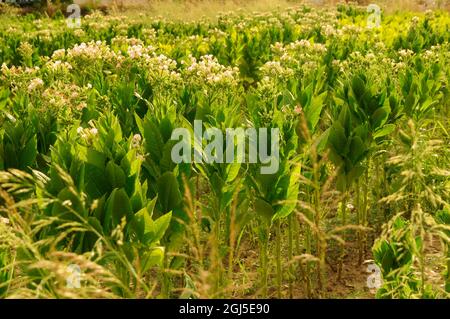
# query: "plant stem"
278 258
308 266
320 240
344 222
358 218
264 243
447 279
365 202
290 255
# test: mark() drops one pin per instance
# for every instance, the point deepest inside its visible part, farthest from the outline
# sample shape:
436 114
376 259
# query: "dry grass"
195 9
192 9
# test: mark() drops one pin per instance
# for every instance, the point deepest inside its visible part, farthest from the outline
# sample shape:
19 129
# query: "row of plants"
87 177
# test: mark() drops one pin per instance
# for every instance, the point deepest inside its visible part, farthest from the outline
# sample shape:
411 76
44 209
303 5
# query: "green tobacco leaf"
94 222
148 231
153 140
93 157
96 183
142 223
154 258
115 174
355 173
384 256
151 206
264 210
357 149
410 102
337 139
28 154
290 201
380 116
117 206
358 86
4 95
345 119
313 111
427 105
232 171
287 98
443 217
160 226
322 141
169 195
166 129
385 130
341 182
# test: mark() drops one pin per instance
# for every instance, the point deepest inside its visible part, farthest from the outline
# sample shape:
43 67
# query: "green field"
343 190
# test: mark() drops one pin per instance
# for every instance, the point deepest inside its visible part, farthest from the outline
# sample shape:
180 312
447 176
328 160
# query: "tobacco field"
92 204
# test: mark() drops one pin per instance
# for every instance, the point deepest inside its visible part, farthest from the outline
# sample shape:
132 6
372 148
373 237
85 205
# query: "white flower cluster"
45 35
305 45
405 54
428 54
25 50
95 16
58 66
209 71
59 54
149 33
122 29
380 46
273 75
216 33
162 70
98 25
351 29
79 33
35 84
136 141
376 64
275 69
139 51
124 42
87 133
4 68
436 54
300 56
19 77
278 49
92 51
63 99
330 31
